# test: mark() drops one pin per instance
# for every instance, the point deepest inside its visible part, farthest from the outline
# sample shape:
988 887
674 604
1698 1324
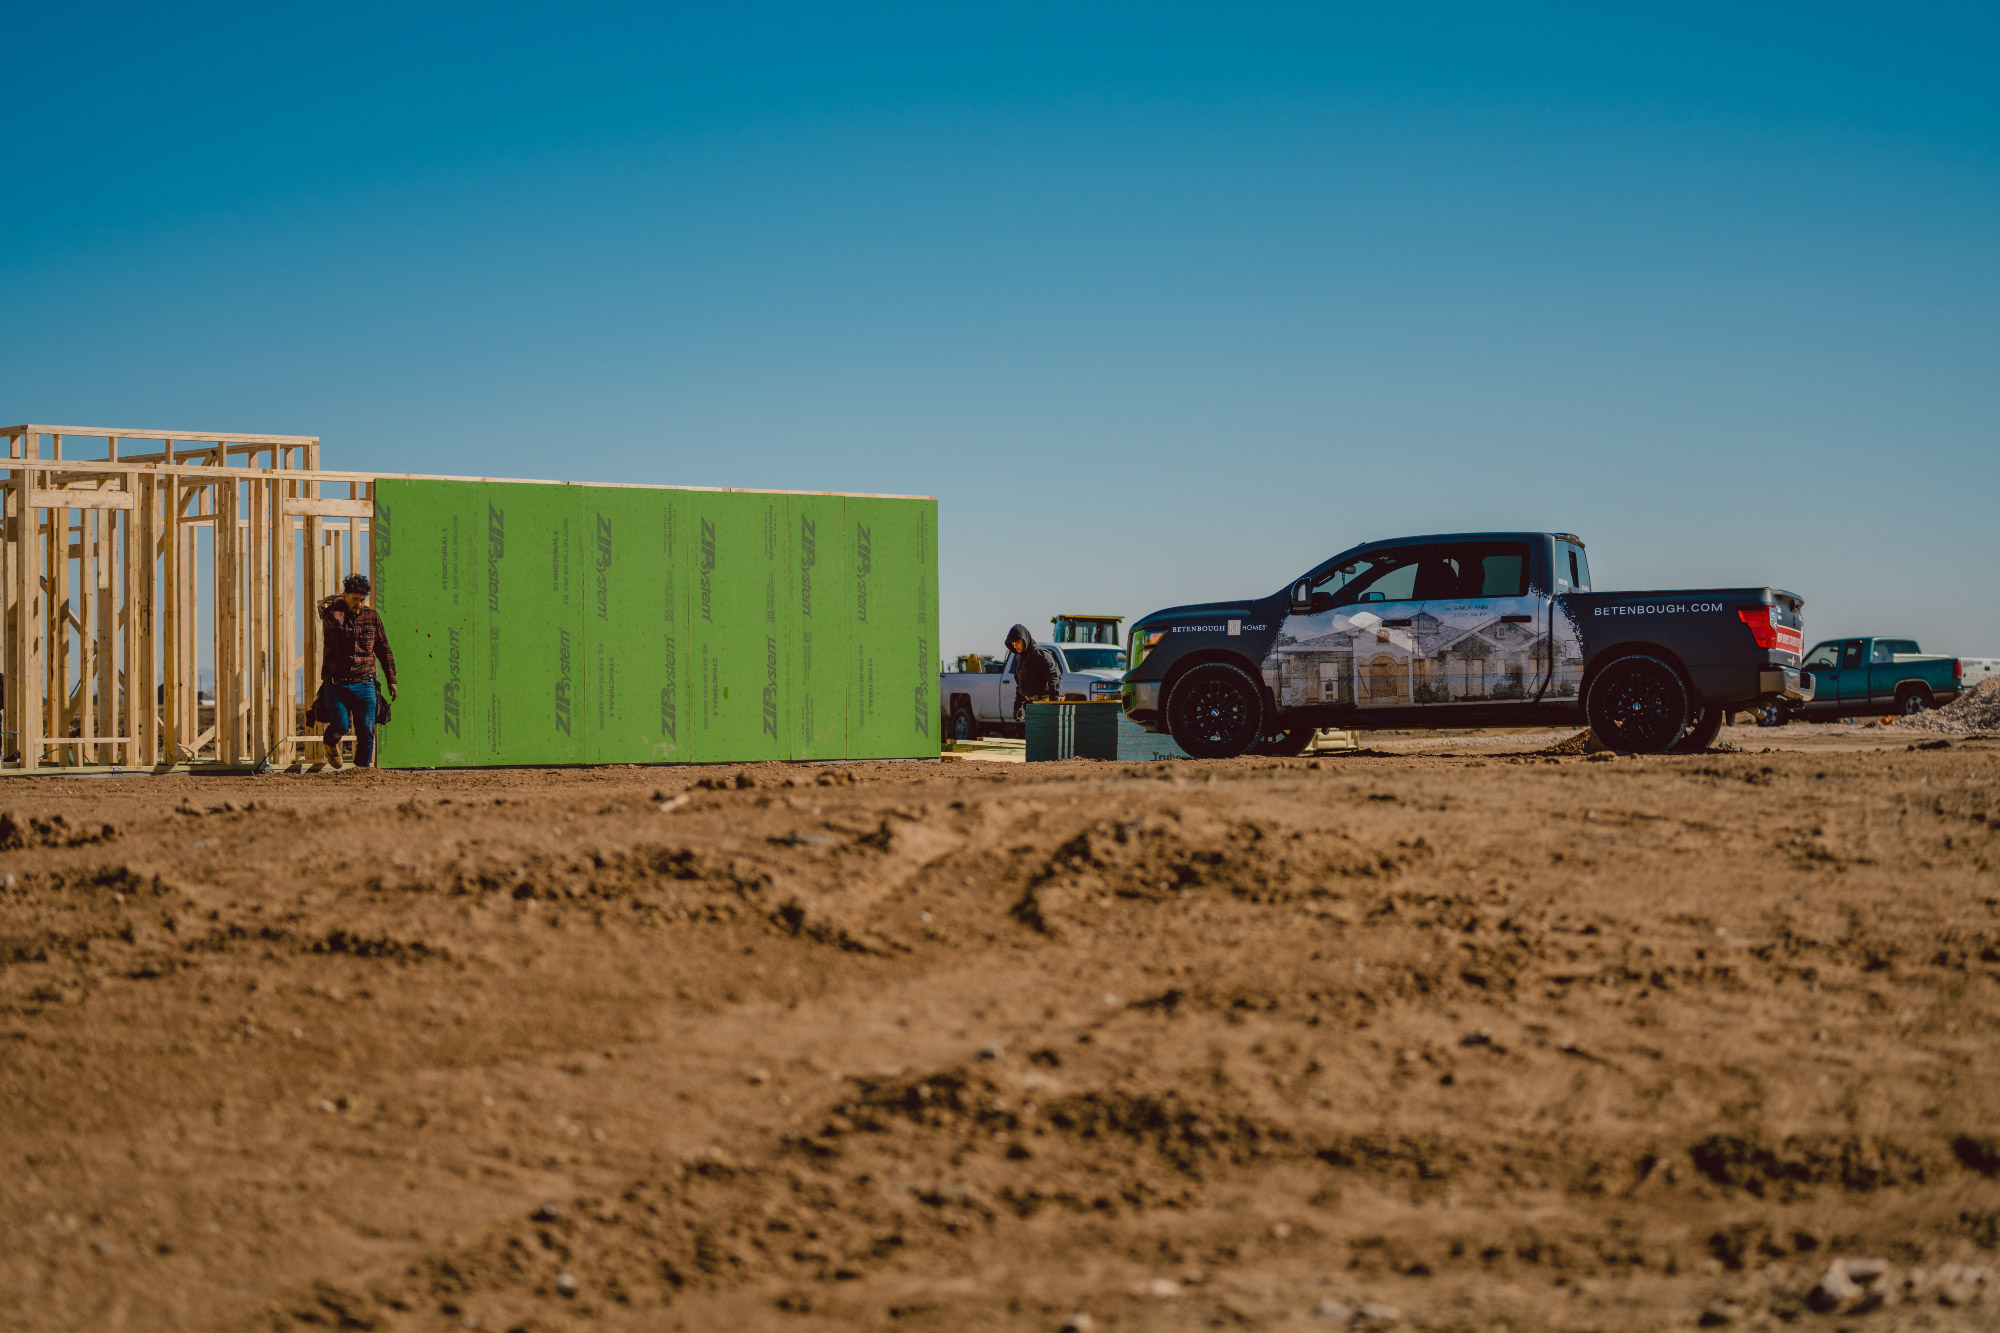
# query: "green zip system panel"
568 624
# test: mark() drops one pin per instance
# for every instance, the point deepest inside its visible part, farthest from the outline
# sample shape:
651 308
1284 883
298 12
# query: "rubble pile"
1978 709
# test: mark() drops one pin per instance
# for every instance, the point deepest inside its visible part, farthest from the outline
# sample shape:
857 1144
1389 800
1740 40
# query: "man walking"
354 639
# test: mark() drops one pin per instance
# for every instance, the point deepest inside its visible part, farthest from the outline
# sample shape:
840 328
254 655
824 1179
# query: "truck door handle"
1515 620
1397 624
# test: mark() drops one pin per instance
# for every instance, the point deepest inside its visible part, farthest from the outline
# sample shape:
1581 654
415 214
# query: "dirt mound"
1582 742
1492 1041
1977 710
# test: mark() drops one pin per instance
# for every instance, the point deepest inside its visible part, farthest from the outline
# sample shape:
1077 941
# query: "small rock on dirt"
1079 1323
1339 1311
1844 1284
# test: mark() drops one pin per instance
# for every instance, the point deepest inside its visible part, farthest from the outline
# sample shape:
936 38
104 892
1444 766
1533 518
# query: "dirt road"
1485 1042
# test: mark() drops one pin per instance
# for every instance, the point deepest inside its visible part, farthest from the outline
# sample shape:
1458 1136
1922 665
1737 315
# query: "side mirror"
1302 597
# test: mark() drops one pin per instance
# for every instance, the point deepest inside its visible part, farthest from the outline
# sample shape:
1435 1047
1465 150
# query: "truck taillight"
1758 618
1769 634
1957 669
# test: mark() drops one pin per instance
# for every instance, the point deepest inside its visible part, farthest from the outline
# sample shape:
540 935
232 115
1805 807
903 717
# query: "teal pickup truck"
1853 677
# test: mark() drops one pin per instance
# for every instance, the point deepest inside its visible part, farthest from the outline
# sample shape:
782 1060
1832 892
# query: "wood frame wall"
124 572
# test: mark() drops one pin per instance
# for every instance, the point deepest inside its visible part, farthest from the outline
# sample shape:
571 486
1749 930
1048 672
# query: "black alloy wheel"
1216 711
1288 744
1637 705
964 727
1916 701
1699 736
1772 715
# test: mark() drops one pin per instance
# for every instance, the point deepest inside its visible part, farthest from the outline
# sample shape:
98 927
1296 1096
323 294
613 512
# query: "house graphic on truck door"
1437 658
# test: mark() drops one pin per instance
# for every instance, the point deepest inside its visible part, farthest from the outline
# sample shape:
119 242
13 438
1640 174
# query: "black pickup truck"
1479 629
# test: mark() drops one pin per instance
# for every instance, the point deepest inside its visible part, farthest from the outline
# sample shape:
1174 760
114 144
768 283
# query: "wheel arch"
1606 656
1914 685
1203 658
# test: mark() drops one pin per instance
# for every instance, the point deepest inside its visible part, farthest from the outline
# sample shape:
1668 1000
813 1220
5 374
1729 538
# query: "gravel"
1978 709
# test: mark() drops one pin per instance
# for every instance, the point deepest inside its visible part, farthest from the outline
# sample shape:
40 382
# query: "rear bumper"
1787 683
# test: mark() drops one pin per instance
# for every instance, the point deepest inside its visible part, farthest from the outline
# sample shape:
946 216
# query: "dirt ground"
1441 1034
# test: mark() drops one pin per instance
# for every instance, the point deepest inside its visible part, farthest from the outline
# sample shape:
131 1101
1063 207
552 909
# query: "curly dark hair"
357 583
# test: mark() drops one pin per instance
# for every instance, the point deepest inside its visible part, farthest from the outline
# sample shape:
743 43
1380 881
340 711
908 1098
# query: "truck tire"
1772 715
1912 699
1701 734
1216 711
964 726
1637 705
1286 744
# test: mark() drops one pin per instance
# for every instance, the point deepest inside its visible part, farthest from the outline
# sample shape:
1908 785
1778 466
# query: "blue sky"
1163 306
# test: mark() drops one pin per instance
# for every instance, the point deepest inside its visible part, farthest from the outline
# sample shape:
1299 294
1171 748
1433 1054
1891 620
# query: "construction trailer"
139 565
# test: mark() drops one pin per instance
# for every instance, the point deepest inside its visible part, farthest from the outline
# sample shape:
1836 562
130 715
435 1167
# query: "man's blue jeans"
353 705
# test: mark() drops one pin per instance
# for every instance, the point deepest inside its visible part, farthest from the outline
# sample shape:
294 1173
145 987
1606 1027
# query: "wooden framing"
155 601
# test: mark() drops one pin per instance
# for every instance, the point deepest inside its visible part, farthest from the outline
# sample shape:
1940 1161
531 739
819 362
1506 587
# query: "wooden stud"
104 555
227 570
31 638
142 656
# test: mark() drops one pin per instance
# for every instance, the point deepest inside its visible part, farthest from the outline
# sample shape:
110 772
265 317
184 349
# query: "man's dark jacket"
1037 669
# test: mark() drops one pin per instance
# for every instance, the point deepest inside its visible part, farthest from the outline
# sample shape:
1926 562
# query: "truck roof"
1465 537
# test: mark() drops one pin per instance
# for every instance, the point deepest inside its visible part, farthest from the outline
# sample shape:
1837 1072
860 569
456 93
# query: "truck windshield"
1093 659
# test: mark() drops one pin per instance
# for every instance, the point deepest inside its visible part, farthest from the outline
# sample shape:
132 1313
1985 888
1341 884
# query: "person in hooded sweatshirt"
1037 670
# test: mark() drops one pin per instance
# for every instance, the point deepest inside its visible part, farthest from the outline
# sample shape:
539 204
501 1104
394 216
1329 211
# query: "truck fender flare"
1207 655
1605 656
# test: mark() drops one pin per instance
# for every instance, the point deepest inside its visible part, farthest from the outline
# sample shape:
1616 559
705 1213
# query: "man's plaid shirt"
353 640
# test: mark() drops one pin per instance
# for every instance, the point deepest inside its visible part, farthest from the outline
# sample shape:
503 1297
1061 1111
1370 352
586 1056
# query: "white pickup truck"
982 702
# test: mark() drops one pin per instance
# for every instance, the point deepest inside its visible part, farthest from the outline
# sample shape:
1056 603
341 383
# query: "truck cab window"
1887 649
1385 576
1851 654
1452 573
1579 568
1825 656
1504 575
